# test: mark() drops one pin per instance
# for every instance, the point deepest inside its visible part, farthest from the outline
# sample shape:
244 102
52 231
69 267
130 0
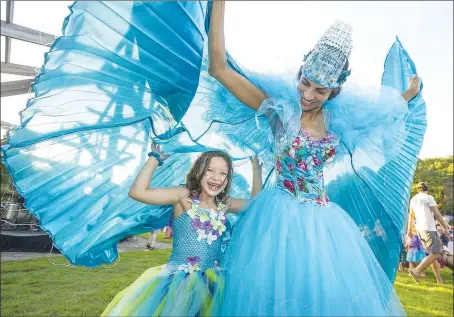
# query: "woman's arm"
236 205
415 86
141 191
237 84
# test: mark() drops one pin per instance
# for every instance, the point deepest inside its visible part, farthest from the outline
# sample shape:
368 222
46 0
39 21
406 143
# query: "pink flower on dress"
317 162
296 142
279 166
326 197
319 201
302 165
300 183
289 185
290 167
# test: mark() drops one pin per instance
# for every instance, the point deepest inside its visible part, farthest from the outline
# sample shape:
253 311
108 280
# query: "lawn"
38 288
159 237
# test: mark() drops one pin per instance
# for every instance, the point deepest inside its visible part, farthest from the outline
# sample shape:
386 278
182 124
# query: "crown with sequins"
325 63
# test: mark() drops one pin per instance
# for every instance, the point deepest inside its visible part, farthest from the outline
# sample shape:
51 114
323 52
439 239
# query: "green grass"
426 298
159 237
37 288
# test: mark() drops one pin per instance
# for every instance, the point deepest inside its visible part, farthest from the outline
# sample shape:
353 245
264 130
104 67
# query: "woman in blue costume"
294 252
186 284
127 74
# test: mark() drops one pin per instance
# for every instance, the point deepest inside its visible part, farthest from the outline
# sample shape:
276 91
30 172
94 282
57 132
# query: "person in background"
423 212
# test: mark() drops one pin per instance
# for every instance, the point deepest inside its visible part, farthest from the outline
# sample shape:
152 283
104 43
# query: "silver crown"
325 63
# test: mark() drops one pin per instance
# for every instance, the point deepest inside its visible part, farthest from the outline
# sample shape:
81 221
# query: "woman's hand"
415 84
413 90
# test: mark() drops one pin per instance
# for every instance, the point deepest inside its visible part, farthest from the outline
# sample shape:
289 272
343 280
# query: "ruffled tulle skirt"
162 291
291 259
415 255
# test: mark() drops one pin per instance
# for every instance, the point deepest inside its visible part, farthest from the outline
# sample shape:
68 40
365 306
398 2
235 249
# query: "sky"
272 34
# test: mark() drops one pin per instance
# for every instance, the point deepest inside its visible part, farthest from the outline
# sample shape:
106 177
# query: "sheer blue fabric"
126 73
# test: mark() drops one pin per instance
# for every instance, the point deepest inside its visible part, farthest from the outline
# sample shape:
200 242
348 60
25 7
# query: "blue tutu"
415 255
307 260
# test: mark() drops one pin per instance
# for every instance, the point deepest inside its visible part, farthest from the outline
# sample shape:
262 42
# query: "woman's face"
312 95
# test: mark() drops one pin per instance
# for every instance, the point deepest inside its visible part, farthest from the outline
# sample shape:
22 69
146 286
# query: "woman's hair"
336 90
199 169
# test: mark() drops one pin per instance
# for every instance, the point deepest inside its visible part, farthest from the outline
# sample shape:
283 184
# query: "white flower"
291 152
183 267
202 235
188 268
221 216
211 237
221 229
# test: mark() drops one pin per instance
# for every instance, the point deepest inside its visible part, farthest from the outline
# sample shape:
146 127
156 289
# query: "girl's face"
312 95
215 179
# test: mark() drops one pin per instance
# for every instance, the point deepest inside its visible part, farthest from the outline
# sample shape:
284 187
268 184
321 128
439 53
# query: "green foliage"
438 174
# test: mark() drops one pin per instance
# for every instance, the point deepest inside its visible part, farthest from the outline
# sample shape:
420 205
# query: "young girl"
186 284
415 250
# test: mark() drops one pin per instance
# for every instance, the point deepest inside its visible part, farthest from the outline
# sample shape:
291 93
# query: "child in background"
415 250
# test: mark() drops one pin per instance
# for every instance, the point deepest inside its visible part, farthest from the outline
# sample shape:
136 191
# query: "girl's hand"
155 148
255 162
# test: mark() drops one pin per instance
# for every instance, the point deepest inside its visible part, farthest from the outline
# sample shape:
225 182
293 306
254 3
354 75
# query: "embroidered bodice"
299 163
197 239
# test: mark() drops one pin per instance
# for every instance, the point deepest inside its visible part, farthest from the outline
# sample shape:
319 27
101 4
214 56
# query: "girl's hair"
199 169
336 90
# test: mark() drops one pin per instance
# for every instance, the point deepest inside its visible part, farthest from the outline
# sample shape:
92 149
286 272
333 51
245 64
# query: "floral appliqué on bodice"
299 165
197 238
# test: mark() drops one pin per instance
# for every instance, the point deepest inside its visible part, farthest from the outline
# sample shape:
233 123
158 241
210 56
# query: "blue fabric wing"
372 176
121 74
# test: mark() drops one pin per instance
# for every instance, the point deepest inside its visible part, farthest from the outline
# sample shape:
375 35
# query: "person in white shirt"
423 212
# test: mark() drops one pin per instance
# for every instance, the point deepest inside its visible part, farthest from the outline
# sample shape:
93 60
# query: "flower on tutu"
291 153
289 185
279 166
296 142
302 165
191 267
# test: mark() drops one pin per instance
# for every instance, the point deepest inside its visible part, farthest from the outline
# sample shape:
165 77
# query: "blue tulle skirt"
415 255
165 291
291 259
